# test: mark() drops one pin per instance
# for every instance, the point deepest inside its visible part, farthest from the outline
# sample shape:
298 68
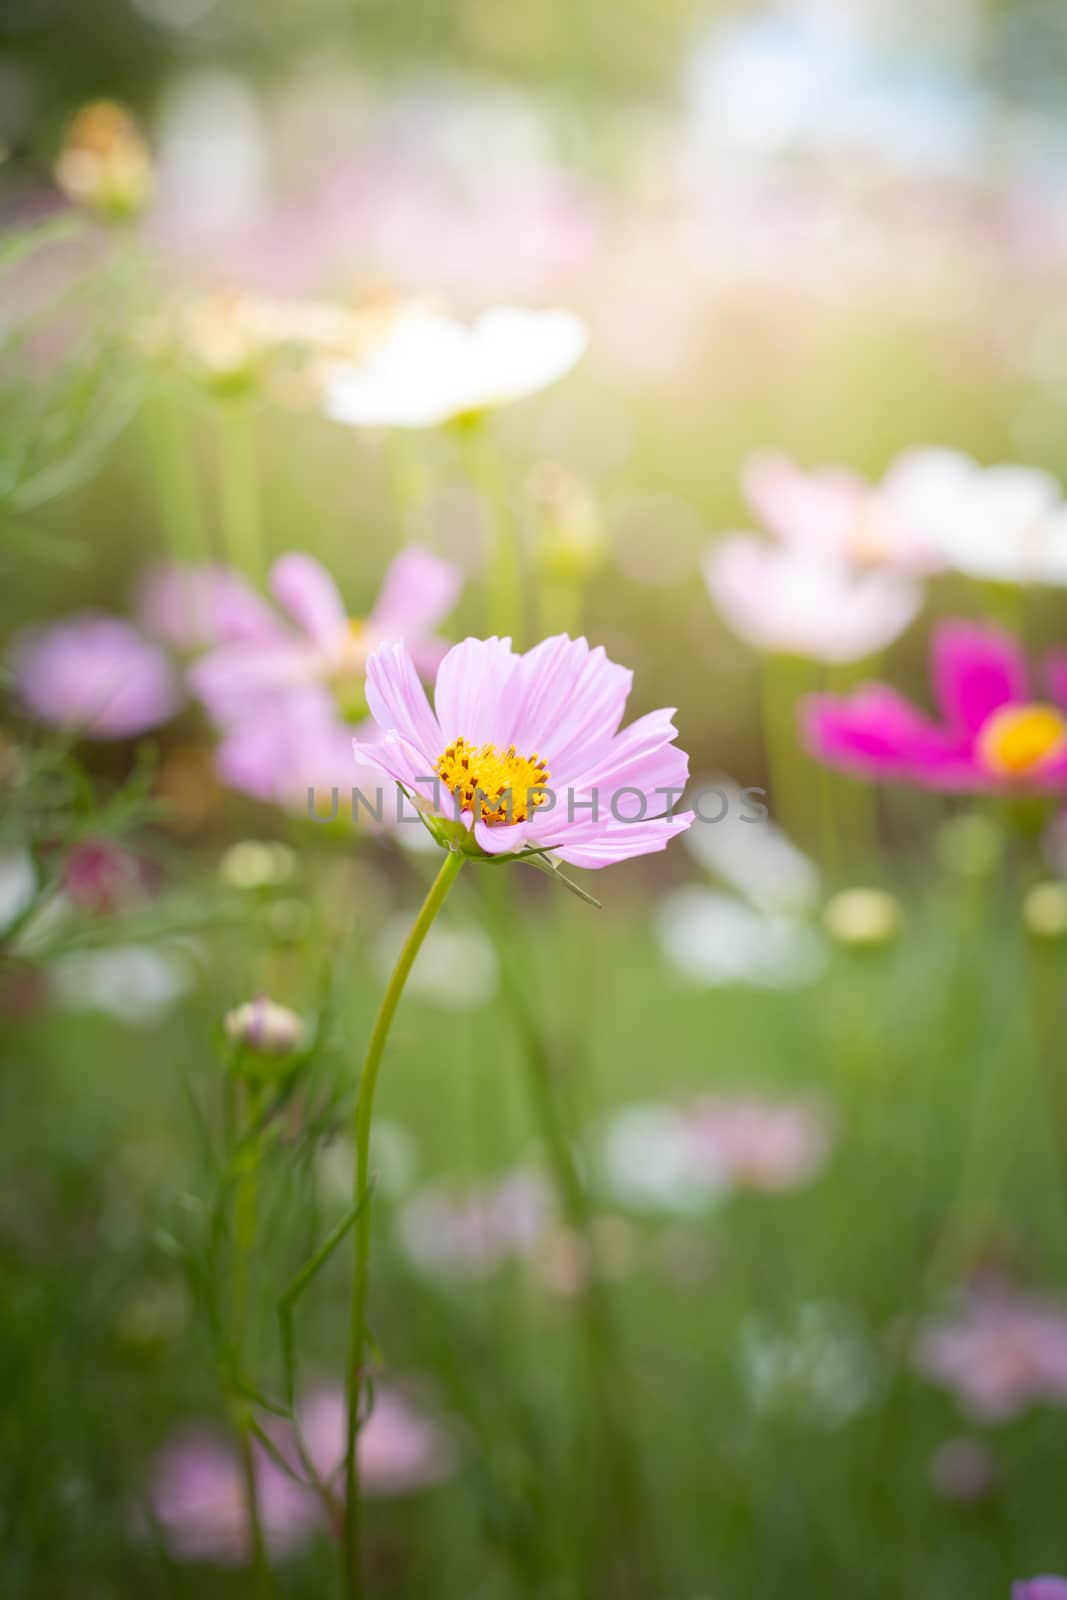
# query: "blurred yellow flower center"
1016 739
508 786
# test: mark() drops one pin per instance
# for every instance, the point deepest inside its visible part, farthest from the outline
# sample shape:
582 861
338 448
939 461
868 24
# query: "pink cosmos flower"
317 642
474 1231
757 1142
993 732
999 1352
196 1498
401 1448
193 608
94 675
778 598
292 742
525 751
832 513
1039 1589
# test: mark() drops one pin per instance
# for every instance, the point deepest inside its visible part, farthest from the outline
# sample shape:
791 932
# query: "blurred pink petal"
94 675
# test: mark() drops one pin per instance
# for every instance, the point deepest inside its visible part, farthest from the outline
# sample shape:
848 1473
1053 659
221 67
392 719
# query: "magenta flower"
999 1352
317 642
992 733
524 752
94 675
1039 1589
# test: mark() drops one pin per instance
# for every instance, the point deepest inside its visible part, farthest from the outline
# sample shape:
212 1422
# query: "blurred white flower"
779 599
131 983
456 967
748 852
428 369
821 1369
716 939
1005 523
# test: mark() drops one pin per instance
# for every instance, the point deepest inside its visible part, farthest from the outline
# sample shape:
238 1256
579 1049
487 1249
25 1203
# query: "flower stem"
606 1365
242 524
352 1563
504 586
244 1239
167 429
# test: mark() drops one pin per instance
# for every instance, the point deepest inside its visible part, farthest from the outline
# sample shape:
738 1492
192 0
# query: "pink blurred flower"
507 726
190 608
757 1142
292 742
94 675
999 1352
779 598
317 642
964 1471
1039 1589
472 1232
993 733
832 513
196 1498
401 1448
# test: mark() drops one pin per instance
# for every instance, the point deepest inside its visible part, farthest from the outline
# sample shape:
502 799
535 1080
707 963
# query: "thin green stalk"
794 795
504 577
173 463
606 1366
244 1238
242 524
351 1543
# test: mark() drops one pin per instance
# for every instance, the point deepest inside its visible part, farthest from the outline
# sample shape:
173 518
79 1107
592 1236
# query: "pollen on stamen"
508 787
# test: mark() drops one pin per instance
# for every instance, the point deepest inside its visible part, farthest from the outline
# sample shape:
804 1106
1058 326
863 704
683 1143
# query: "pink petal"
190 607
475 692
236 679
602 846
877 733
975 670
1056 676
398 701
569 701
417 592
304 587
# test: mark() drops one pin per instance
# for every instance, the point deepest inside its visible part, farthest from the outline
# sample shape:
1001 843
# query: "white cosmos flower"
132 983
750 853
455 969
429 369
1007 523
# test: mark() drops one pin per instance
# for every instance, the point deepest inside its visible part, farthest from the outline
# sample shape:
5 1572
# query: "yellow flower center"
1017 739
507 786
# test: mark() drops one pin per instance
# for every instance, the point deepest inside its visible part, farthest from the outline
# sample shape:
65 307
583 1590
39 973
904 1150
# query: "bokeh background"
833 229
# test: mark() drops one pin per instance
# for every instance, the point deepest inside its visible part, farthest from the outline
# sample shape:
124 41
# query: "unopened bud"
266 1028
862 917
105 164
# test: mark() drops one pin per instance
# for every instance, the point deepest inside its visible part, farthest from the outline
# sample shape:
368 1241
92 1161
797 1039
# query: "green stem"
504 604
242 526
244 1237
351 1544
174 465
606 1366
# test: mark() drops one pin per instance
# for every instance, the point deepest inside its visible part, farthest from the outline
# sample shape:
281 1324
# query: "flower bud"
105 164
862 917
266 1028
1045 910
